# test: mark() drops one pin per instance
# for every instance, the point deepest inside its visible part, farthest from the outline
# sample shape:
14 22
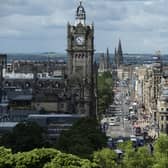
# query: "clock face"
80 40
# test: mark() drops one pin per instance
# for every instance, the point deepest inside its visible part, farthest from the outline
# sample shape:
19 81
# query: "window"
162 118
167 118
162 109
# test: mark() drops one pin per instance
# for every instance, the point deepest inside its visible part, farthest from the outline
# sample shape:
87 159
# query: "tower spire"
120 53
108 58
80 14
115 57
119 46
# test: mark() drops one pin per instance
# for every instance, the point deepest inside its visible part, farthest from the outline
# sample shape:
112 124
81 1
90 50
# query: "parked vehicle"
137 130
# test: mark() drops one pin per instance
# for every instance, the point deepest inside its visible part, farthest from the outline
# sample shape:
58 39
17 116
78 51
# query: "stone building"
55 87
152 81
80 50
162 105
104 62
140 72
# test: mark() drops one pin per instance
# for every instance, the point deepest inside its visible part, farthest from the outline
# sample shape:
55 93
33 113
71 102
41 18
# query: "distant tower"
3 62
115 58
118 55
80 52
101 63
108 59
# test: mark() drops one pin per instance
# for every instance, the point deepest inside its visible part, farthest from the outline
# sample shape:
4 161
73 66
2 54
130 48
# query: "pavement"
144 124
123 129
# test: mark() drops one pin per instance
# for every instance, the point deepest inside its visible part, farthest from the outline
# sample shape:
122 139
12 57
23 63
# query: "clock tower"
80 50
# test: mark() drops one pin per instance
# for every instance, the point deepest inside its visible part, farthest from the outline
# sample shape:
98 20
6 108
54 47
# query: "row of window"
162 118
80 55
40 84
164 129
162 109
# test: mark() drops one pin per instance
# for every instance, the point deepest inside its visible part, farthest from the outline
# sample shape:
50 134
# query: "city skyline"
40 26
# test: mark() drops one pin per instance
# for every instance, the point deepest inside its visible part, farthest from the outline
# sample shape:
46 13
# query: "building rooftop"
22 97
54 115
18 75
8 124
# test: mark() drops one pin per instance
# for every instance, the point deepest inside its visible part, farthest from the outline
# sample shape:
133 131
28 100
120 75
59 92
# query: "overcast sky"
40 25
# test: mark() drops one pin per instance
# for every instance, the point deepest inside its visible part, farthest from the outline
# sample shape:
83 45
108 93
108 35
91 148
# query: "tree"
138 159
105 158
24 137
125 146
161 145
70 161
36 158
5 158
83 138
161 152
42 158
105 93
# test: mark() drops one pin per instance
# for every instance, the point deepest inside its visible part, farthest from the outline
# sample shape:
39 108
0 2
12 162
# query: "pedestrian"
135 146
151 148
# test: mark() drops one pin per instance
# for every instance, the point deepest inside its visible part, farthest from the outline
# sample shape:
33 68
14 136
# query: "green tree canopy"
161 152
42 158
105 93
5 157
105 158
36 158
25 136
70 161
83 138
138 159
161 145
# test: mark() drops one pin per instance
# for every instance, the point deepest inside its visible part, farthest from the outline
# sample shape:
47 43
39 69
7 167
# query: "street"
120 109
120 130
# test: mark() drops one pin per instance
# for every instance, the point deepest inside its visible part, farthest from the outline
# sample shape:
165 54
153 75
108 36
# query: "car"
125 119
140 140
119 152
112 123
110 143
120 141
132 136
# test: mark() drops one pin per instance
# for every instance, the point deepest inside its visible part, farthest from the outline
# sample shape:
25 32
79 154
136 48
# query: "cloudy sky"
40 25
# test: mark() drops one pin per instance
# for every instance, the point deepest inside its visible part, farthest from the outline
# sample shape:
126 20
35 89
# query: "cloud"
37 20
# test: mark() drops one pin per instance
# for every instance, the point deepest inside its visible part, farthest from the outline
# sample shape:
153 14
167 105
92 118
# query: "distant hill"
46 56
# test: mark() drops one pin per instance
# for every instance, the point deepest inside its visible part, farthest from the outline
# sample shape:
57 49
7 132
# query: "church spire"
108 58
80 14
115 52
120 53
115 57
107 52
119 47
